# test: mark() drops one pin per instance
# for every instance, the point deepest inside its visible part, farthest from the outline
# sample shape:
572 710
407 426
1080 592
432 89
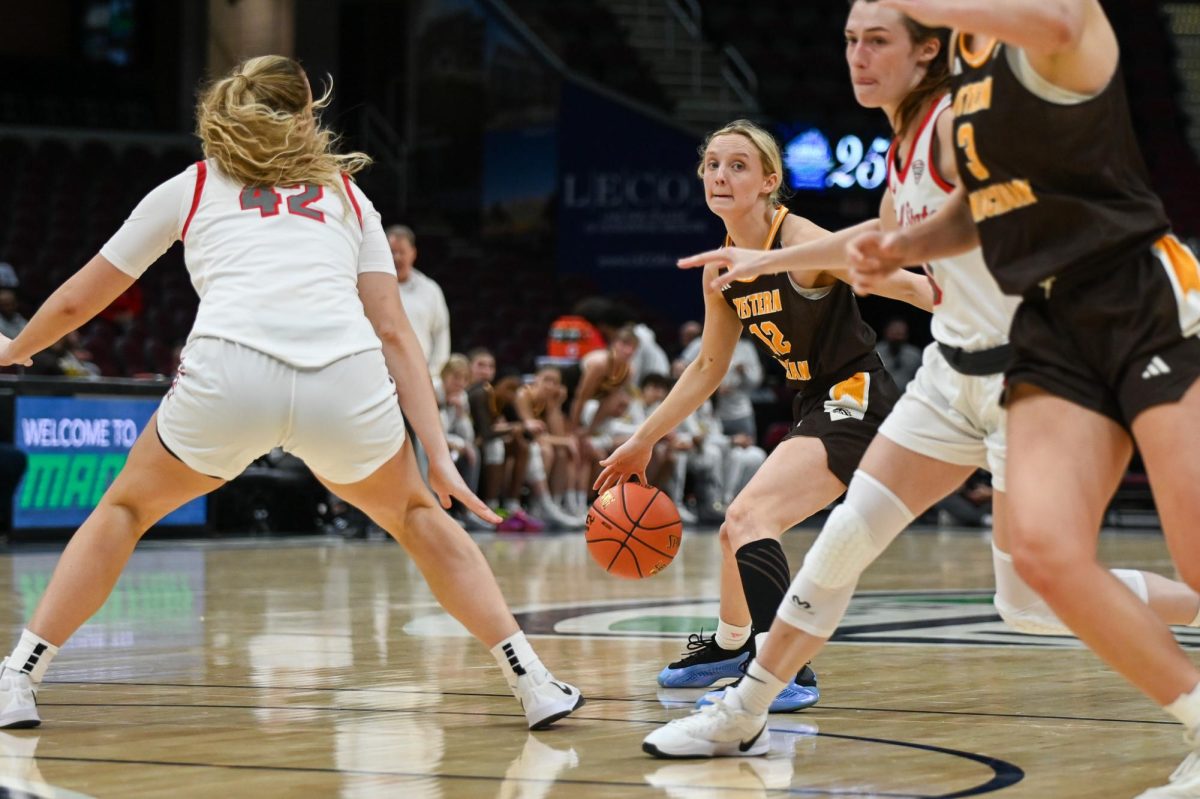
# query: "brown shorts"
845 417
1116 343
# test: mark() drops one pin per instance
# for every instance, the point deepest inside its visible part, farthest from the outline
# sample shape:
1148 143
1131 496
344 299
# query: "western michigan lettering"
972 98
1001 198
764 302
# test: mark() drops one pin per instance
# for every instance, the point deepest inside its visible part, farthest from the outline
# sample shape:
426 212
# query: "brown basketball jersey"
1054 188
816 335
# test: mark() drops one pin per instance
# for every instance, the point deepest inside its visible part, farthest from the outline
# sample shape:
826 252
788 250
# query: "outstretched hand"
739 263
6 358
874 256
447 484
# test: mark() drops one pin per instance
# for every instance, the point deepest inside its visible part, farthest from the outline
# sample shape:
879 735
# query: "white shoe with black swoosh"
545 699
721 729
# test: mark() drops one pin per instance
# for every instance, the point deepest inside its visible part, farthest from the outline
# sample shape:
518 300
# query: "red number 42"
267 200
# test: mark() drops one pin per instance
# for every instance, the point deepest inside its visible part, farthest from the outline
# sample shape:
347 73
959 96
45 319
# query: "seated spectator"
899 355
540 407
501 441
605 374
733 403
11 321
456 421
970 506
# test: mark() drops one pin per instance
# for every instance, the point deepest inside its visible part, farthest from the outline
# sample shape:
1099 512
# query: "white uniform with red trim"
944 414
281 352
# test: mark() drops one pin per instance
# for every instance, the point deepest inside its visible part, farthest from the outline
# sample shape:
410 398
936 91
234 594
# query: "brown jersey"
1055 188
816 335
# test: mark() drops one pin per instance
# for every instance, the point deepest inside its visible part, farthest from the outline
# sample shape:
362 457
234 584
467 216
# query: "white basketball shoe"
18 699
721 729
1185 782
545 699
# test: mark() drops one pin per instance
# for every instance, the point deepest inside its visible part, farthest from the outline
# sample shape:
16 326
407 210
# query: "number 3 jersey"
1055 179
276 268
816 335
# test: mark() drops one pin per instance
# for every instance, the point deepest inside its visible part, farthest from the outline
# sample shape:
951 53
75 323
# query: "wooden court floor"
315 667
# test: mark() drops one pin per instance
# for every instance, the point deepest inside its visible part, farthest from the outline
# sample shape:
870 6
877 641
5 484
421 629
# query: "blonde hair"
457 362
768 151
259 124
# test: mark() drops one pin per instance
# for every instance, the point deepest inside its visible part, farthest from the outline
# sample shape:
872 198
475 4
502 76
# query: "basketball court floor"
316 667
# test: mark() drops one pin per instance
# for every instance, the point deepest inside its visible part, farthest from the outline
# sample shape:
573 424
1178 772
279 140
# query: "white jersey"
276 269
969 311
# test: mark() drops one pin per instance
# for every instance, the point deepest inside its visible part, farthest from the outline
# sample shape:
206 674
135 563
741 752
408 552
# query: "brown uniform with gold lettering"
1067 220
827 352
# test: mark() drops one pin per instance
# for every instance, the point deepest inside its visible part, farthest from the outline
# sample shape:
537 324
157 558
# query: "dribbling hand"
6 359
626 462
447 484
873 256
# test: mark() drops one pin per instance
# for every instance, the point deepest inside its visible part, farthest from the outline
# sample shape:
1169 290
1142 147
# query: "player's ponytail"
259 124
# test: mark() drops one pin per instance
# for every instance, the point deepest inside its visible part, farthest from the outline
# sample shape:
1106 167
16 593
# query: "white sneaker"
545 699
1185 782
556 517
18 699
721 729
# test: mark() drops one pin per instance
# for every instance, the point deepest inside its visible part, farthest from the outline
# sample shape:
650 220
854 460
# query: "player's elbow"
388 332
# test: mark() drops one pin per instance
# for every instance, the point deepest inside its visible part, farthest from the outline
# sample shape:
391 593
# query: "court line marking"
631 699
1004 773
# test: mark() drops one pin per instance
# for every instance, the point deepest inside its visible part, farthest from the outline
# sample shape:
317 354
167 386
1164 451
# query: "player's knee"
741 526
1041 561
843 550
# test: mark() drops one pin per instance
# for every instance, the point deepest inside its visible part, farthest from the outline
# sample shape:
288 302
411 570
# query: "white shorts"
951 417
230 404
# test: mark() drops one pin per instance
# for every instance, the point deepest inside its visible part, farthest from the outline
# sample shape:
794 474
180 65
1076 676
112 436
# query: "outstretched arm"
949 232
1068 42
76 302
818 255
1036 25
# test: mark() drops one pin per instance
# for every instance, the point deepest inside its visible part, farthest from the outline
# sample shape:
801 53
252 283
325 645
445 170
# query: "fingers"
477 506
721 281
718 257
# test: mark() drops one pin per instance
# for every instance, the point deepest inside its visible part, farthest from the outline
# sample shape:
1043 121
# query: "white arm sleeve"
375 255
153 226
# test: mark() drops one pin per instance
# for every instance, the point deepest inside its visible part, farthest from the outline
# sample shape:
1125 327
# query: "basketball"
633 531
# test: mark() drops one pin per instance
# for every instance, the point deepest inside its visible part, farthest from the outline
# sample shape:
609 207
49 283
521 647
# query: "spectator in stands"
605 374
11 321
689 338
899 355
8 276
503 444
970 505
423 299
60 359
609 317
734 407
554 462
456 419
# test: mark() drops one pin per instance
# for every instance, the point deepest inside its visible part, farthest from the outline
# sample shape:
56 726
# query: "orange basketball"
633 531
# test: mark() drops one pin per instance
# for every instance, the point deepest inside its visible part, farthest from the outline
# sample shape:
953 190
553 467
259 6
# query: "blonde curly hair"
259 124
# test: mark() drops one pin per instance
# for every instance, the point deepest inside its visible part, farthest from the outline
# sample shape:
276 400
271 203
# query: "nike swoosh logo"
744 746
561 687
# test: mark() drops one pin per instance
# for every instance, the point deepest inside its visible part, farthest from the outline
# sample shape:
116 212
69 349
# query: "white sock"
579 499
759 689
1187 709
516 658
32 655
731 636
512 505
